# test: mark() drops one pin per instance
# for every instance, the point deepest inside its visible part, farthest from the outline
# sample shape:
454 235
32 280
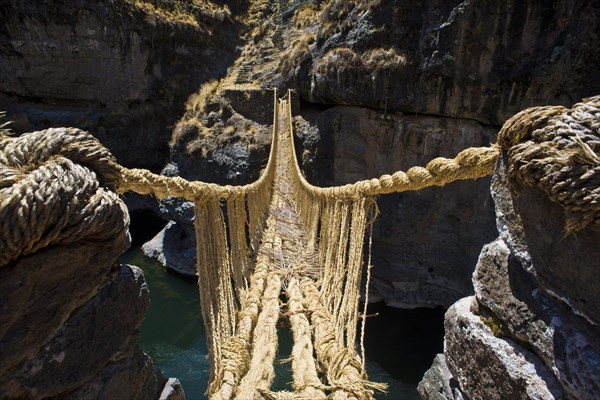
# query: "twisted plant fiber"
557 150
59 202
72 143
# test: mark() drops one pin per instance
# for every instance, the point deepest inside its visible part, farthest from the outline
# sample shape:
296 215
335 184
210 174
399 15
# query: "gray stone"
92 336
172 390
130 378
39 292
534 229
173 248
567 344
438 383
489 367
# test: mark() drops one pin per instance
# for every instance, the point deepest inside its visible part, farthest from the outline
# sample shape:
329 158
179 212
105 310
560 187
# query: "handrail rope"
471 163
143 181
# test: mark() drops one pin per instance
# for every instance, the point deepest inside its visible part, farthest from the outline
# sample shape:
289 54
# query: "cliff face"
422 242
482 60
457 62
419 80
114 68
533 321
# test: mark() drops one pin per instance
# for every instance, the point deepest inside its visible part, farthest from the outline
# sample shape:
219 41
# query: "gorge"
381 86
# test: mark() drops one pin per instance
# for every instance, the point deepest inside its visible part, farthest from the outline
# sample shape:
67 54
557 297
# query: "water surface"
400 344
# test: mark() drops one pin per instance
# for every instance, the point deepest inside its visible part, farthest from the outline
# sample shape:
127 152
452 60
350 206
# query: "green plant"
494 325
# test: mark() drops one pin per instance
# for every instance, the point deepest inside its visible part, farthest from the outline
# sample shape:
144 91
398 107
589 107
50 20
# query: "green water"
173 335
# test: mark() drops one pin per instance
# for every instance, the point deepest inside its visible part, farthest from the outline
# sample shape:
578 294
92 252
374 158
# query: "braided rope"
261 373
557 150
56 187
342 367
306 380
49 199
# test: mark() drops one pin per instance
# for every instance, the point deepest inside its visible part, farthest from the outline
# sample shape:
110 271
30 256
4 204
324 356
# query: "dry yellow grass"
297 53
196 103
372 61
338 59
380 59
180 12
189 129
255 15
335 15
305 15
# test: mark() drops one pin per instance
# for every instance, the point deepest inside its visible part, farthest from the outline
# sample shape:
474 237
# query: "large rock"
535 288
39 292
68 359
566 343
174 248
132 377
489 367
534 229
438 383
534 311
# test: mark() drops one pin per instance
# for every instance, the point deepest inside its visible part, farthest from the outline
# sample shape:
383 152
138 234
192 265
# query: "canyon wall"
115 68
385 85
481 60
425 79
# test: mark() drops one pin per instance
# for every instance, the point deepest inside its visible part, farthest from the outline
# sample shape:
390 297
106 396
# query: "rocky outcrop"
113 68
481 60
70 327
69 313
224 140
488 367
523 335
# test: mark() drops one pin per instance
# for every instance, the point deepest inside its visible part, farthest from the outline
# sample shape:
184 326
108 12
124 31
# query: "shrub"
196 103
296 54
377 60
305 15
338 60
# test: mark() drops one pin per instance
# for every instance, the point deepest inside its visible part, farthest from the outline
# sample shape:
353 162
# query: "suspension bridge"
280 248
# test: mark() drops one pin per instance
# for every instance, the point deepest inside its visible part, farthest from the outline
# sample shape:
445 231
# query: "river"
400 344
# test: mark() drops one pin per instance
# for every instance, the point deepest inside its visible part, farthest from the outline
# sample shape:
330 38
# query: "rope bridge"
280 248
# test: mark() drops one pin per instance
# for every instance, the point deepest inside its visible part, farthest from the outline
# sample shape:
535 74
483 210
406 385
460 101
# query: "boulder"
132 378
39 292
534 229
108 321
173 248
537 313
172 390
489 367
439 384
